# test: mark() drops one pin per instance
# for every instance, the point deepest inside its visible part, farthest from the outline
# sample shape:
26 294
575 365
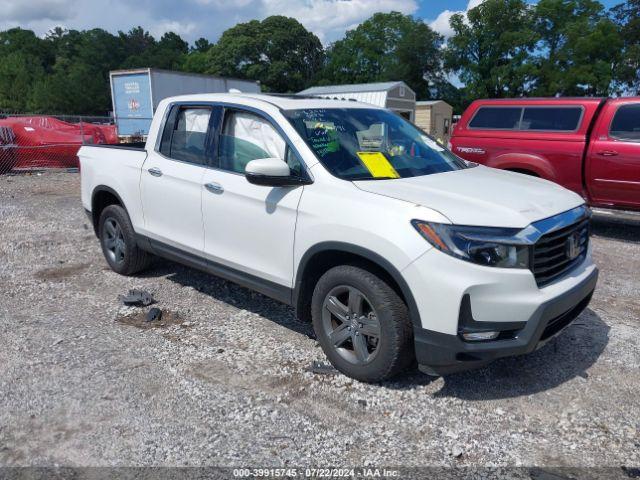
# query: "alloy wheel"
113 239
351 324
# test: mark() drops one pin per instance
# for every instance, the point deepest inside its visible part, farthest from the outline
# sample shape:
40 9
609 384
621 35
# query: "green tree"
100 49
27 43
78 82
457 97
136 41
137 45
579 48
73 88
627 17
143 51
68 70
387 46
201 45
170 52
197 60
18 72
491 48
278 51
24 58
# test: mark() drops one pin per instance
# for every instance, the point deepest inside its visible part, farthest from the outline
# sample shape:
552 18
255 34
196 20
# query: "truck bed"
113 168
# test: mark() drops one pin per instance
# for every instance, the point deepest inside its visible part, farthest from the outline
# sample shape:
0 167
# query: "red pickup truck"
589 145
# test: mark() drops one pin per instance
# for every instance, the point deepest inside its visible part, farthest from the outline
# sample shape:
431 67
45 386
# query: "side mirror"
271 172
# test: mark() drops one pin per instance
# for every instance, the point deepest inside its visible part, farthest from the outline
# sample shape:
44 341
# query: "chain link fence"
35 142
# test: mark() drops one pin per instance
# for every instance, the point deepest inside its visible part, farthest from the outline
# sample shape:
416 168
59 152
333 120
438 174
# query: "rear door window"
626 123
496 118
559 119
185 135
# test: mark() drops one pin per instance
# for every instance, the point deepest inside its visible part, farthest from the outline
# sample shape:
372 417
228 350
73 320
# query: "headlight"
494 247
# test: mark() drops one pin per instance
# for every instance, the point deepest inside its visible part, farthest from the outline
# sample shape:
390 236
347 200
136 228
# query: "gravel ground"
224 379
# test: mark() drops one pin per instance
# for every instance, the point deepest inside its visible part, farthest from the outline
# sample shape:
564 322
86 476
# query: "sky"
192 19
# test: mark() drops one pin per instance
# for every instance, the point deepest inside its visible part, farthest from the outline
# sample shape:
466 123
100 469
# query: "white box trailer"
135 94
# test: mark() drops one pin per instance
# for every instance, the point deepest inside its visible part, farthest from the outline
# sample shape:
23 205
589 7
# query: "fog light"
478 336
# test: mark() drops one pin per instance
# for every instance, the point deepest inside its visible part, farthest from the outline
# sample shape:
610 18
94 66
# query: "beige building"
435 117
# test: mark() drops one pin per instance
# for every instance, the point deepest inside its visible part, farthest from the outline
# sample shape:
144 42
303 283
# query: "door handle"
156 172
214 187
608 153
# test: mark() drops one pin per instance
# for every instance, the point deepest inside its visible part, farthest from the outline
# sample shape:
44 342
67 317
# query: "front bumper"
441 353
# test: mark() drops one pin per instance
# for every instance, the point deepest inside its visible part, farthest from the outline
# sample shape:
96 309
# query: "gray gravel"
224 378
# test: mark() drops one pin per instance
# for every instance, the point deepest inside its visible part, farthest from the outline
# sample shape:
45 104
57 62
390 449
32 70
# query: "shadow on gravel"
232 294
616 227
567 356
562 359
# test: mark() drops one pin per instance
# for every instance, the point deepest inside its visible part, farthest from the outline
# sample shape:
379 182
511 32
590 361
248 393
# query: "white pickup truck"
398 251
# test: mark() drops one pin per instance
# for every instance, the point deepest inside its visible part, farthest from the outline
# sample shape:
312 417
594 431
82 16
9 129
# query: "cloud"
191 19
441 23
329 19
221 4
184 29
25 10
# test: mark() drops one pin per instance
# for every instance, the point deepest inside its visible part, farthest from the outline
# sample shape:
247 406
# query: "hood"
480 196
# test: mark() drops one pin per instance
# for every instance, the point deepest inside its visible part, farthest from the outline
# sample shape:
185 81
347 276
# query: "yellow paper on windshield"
378 165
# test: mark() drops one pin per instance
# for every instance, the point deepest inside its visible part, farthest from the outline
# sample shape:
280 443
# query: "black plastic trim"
276 181
443 353
362 252
104 188
135 146
270 289
96 190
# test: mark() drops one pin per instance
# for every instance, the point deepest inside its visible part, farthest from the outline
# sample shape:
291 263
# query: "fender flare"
105 188
524 161
369 255
98 189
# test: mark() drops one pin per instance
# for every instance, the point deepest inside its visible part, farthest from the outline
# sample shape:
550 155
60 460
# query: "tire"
350 343
118 242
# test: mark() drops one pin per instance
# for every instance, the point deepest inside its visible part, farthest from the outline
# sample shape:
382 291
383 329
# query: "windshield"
370 144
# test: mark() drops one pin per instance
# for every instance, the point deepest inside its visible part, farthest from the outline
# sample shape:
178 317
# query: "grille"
551 253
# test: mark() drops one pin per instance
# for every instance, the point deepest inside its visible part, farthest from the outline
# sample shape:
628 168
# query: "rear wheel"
362 324
118 242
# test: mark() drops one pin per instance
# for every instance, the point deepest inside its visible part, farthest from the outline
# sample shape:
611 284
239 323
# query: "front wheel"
362 324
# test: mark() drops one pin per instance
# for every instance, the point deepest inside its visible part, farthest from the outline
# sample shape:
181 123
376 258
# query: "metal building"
396 96
136 93
435 117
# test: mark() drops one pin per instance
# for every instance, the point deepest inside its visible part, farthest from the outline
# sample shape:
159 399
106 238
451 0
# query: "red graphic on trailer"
134 105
